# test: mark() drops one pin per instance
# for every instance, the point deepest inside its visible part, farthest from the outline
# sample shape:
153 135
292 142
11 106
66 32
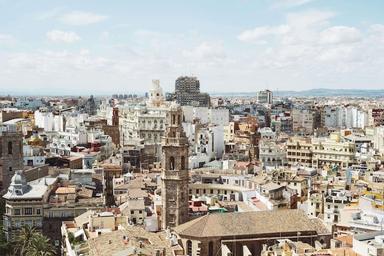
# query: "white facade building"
48 121
144 123
378 138
371 244
205 115
33 156
205 140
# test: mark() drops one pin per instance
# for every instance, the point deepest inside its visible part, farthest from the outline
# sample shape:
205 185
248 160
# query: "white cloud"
312 18
259 34
78 18
6 38
290 3
377 32
340 35
53 13
56 62
312 45
206 51
62 36
300 27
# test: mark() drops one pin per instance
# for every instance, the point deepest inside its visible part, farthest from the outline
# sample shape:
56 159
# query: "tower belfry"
174 176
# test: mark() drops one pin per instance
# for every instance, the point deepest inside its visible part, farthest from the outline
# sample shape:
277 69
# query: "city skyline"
95 48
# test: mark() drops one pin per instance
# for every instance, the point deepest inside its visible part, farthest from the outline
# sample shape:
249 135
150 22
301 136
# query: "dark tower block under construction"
187 92
174 186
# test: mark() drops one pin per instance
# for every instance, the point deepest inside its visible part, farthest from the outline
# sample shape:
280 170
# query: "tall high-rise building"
90 106
187 92
264 97
11 154
174 186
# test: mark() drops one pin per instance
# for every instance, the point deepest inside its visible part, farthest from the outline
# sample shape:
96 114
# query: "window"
16 212
210 249
38 211
28 211
171 163
189 247
182 162
10 148
140 211
132 211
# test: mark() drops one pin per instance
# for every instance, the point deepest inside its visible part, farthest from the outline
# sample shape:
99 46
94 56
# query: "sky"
105 47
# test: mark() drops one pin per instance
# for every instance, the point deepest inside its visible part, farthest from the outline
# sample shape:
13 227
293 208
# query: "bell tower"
156 97
174 176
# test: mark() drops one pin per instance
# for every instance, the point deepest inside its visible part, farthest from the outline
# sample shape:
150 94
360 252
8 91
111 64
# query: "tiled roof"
65 190
249 223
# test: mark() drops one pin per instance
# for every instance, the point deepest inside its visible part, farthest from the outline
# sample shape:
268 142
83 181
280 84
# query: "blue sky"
105 47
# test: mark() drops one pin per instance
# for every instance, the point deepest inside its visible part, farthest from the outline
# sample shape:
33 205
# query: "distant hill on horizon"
321 92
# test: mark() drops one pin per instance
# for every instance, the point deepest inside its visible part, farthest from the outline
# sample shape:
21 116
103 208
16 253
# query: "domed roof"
18 178
19 184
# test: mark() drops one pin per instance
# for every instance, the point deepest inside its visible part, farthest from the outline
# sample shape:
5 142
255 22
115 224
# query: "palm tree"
24 239
30 242
40 246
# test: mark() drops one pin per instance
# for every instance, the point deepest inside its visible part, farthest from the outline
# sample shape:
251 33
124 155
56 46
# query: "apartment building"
332 152
318 152
333 202
303 121
271 154
299 151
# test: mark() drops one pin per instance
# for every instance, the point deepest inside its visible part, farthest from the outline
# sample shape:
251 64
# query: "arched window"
171 163
10 150
189 247
210 248
182 163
